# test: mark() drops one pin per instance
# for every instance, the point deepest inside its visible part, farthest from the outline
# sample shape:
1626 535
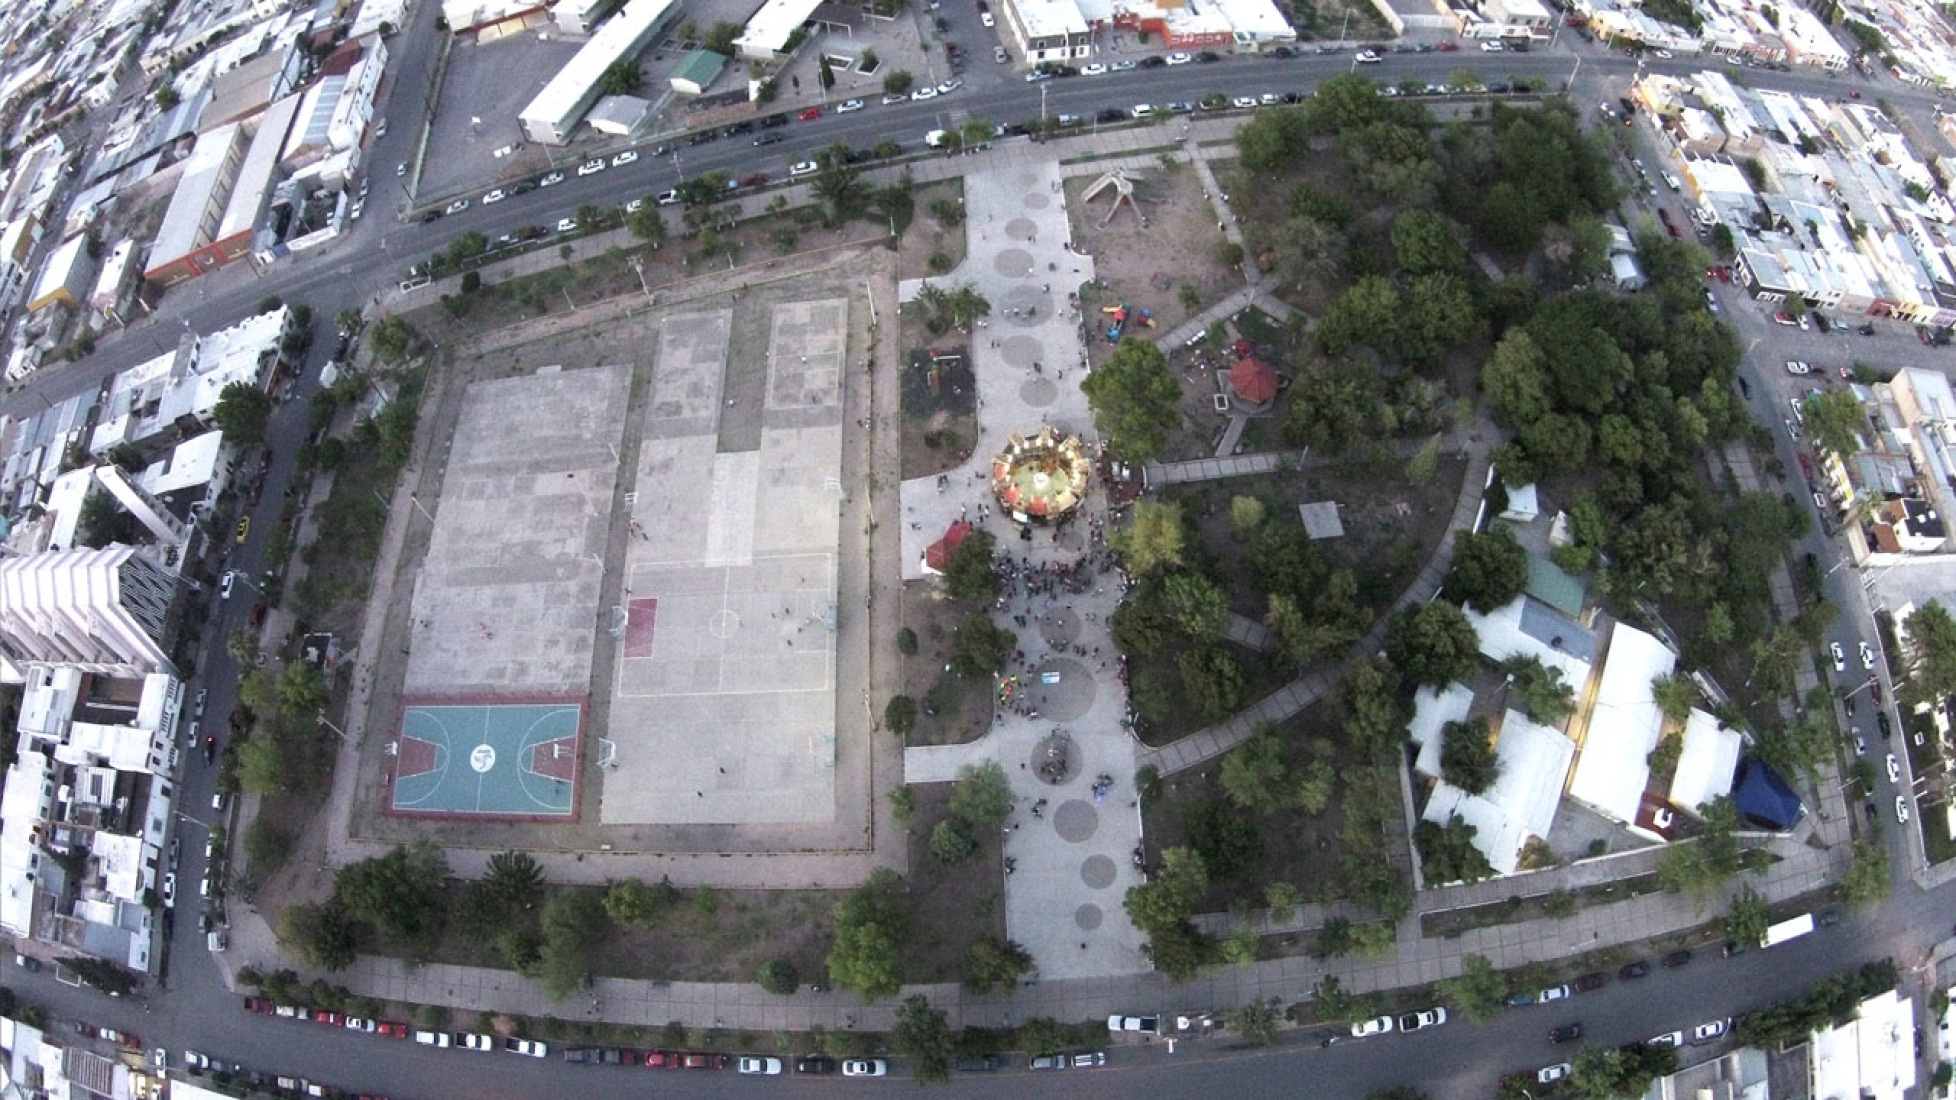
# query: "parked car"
1709 1031
701 1060
1414 1021
1541 996
1867 657
1549 1075
1676 959
328 1017
819 1064
1839 655
1090 1060
1894 769
1566 1033
394 1029
551 180
1047 1061
1634 970
989 1063
528 1048
1589 983
361 1024
1901 809
1671 1039
1378 1025
1145 1024
624 158
865 1067
764 1067
470 1040
433 1039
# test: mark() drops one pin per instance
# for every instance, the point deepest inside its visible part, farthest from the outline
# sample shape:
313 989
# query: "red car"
1806 464
394 1029
661 1059
809 114
328 1017
708 1061
262 1005
1447 47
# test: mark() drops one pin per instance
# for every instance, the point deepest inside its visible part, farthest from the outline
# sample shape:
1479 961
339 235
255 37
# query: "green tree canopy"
1425 242
1153 540
397 894
1135 398
242 412
1931 633
1432 644
1480 992
1254 775
979 646
1447 852
970 575
1490 569
871 926
1467 757
923 1035
993 963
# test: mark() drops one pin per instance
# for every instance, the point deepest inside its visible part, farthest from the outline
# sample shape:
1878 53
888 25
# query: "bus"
1790 929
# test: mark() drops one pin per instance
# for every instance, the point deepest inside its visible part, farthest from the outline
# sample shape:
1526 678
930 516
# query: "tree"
1153 538
241 412
870 928
1748 918
1836 420
1425 242
978 648
1432 644
167 98
322 935
1169 898
1256 1022
629 902
1447 852
396 893
514 880
1254 776
391 338
1368 314
1489 569
1199 605
1700 868
1213 680
1316 782
779 977
1480 992
899 82
1675 694
1931 644
1467 758
900 715
1597 1074
1538 689
621 77
1375 714
572 922
1308 250
951 841
970 575
1246 515
647 224
982 798
923 1035
720 37
967 305
993 963
1135 398
1865 884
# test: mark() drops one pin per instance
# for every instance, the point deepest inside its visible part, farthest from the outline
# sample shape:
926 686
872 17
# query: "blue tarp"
1763 798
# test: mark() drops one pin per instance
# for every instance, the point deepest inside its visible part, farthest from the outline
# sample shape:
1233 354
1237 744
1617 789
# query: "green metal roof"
700 67
1548 583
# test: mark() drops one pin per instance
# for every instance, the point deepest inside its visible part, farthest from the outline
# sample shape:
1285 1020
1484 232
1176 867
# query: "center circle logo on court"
483 758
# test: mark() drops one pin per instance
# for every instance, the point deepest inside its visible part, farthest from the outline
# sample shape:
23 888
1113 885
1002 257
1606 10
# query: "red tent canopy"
1253 379
938 554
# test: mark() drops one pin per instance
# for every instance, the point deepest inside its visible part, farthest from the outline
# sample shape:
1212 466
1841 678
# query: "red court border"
492 699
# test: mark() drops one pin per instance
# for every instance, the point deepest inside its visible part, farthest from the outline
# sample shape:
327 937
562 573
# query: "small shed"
1253 380
1628 275
938 555
619 115
697 71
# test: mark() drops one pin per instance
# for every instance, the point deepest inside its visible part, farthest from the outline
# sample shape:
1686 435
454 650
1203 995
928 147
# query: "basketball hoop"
393 748
607 753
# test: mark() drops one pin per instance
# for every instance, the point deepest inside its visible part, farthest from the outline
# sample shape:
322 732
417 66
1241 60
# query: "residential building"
86 812
66 277
768 30
103 612
1871 1057
697 71
186 244
157 403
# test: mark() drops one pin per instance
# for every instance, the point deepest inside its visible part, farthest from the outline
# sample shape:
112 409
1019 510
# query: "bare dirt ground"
933 246
951 709
1146 267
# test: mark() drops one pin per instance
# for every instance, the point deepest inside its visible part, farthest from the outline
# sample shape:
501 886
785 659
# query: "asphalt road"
1458 1060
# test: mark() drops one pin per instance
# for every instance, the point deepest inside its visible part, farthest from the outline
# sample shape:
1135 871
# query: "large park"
1035 567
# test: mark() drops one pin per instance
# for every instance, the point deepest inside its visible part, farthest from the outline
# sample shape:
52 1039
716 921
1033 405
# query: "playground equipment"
1123 316
1123 185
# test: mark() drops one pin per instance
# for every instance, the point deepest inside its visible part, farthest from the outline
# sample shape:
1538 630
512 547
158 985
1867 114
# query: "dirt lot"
934 245
940 412
1146 267
951 709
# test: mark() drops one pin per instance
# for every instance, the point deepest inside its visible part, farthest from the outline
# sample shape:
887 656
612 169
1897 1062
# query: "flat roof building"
765 38
98 611
560 106
697 71
183 248
65 276
1622 727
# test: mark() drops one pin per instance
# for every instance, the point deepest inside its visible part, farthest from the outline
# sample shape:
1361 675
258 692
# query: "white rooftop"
1623 725
1432 710
768 30
1522 801
189 464
1706 766
1871 1057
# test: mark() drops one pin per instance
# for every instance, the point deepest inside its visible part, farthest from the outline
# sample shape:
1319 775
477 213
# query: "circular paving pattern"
1038 392
1097 872
1021 351
723 624
1076 820
1066 699
1018 301
1063 629
1037 200
1022 229
1013 263
1087 917
1055 759
1071 539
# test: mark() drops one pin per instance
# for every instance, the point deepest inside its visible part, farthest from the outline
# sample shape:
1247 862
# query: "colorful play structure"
1122 316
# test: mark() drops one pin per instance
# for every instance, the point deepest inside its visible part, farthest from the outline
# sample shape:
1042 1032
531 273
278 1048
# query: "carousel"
1041 479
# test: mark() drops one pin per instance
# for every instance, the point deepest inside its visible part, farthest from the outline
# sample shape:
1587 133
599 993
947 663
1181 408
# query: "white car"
551 180
1243 102
985 17
591 167
380 129
401 169
667 198
1662 55
528 1048
195 1060
1179 59
1894 772
203 696
1414 1021
1095 69
766 1067
566 225
361 1024
634 206
865 1067
895 97
1143 1024
1901 810
1549 1075
624 158
949 86
1671 1039
998 52
494 197
1709 1030
1378 1025
170 879
1121 66
848 105
1795 366
1367 57
1840 656
433 1038
224 585
470 1040
803 168
1867 657
923 93
1491 46
456 207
